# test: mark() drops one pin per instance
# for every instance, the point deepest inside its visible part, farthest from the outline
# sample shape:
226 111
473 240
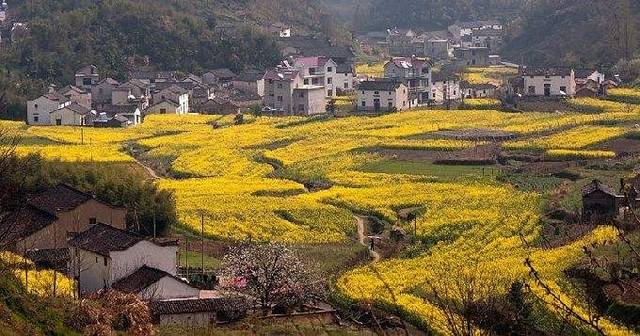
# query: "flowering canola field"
247 181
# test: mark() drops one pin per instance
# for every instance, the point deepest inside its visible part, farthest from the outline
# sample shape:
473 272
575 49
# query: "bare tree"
464 296
271 274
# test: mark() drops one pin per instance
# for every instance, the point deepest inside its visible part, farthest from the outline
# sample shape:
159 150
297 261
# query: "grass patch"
446 172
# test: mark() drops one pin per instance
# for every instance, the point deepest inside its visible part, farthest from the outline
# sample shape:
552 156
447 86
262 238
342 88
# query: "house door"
547 90
376 105
58 122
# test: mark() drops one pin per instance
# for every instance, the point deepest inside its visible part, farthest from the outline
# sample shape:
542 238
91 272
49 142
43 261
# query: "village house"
47 218
164 107
548 82
220 76
73 114
39 109
219 105
286 93
152 77
101 93
87 77
484 90
415 72
110 115
250 81
445 88
472 56
462 29
278 30
174 94
107 257
317 71
198 312
402 42
600 202
383 95
345 60
437 48
488 38
77 95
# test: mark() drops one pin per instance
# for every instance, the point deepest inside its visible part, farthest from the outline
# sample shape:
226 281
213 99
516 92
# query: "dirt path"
362 239
152 173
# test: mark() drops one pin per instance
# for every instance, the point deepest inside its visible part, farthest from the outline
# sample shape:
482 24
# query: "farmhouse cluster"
72 232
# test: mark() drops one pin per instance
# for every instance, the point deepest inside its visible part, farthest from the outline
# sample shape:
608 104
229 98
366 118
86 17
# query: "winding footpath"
362 239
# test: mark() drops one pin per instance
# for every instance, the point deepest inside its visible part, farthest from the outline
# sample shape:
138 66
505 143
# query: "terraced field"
301 180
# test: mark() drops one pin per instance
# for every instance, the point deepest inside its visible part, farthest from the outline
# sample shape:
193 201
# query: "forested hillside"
429 14
575 33
178 34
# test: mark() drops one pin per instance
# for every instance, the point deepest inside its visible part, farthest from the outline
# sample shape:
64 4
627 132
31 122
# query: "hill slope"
574 32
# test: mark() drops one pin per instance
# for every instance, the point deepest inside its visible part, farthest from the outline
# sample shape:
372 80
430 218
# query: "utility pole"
202 240
186 257
82 135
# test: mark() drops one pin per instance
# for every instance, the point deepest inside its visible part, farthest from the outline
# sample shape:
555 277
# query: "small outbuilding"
198 312
600 202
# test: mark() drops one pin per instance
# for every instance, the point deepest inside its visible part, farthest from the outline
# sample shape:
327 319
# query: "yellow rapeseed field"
252 181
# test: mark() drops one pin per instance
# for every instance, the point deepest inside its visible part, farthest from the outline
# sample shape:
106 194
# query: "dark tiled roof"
50 258
537 71
75 107
24 222
55 96
281 74
222 73
584 73
142 278
102 239
481 86
334 52
442 76
174 88
250 76
109 81
88 70
59 198
596 185
112 110
379 85
187 306
69 88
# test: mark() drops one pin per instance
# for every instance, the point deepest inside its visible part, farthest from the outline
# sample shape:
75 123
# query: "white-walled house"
38 110
77 95
445 87
107 257
415 72
164 107
549 82
175 94
73 114
101 92
87 77
285 92
383 95
318 71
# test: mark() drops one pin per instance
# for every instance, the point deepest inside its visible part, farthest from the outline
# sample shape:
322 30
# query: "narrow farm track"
362 239
152 173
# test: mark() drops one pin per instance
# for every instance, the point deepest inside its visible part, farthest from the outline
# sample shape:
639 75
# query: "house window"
346 85
105 260
329 69
36 106
36 118
364 103
329 80
96 260
306 81
547 77
93 221
58 122
390 104
279 98
301 94
86 81
376 92
279 85
329 92
163 111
